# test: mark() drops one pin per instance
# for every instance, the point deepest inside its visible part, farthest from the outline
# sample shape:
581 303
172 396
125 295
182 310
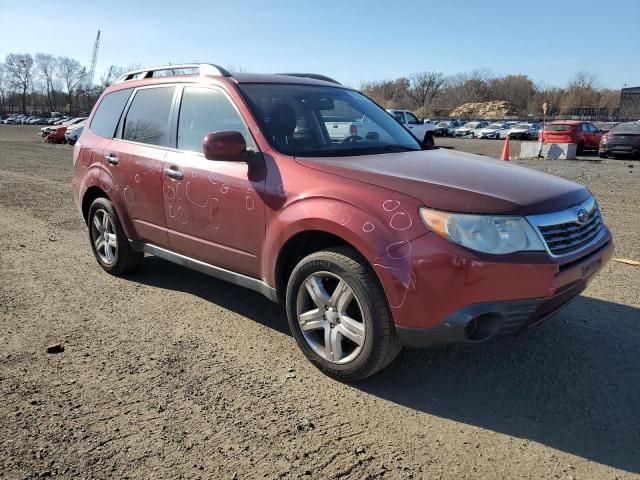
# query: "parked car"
446 128
525 131
623 139
584 134
73 133
57 135
66 123
422 131
346 129
369 244
493 130
469 129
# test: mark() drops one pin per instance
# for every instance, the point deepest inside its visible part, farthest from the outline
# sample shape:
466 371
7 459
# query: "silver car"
525 131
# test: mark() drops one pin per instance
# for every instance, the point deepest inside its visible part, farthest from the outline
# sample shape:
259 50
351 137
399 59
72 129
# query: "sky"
350 40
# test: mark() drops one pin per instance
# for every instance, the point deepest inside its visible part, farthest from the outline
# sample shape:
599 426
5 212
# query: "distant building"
629 104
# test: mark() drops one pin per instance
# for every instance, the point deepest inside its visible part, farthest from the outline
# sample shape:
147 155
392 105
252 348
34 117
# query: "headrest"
282 121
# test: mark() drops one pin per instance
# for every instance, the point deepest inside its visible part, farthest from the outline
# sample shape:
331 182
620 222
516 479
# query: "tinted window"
204 111
108 113
559 127
148 117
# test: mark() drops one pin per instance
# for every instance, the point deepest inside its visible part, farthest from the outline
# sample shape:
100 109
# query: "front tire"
109 243
428 140
338 315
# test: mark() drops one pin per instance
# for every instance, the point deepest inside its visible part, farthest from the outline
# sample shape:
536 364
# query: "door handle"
174 173
112 159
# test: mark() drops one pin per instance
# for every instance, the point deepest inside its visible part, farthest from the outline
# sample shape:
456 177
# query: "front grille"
568 237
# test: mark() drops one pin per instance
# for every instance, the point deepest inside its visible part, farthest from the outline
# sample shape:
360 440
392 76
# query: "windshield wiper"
399 148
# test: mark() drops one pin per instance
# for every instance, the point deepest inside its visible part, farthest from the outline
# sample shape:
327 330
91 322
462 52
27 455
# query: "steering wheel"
352 139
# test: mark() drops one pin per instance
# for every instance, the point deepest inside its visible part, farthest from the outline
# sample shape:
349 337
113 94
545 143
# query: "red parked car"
584 134
370 243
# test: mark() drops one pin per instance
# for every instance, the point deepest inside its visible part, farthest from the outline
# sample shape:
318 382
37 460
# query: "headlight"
494 234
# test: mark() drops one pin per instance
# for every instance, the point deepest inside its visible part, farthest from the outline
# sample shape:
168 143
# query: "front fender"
389 225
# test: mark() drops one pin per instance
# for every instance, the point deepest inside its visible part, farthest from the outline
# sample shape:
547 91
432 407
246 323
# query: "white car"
469 129
525 131
493 130
423 131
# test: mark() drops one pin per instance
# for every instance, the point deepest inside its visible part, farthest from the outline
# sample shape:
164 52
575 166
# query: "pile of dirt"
495 109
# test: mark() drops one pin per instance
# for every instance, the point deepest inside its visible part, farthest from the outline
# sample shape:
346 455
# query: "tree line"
45 83
433 93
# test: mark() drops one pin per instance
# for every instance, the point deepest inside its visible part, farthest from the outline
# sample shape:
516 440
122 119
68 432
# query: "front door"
213 209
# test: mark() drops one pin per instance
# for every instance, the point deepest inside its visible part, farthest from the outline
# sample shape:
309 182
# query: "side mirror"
229 146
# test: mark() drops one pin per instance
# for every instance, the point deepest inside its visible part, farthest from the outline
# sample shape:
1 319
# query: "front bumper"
446 294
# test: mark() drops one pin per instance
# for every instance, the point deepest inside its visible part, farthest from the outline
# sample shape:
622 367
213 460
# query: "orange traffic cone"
506 153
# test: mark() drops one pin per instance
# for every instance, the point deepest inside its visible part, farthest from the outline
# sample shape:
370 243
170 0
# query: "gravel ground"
171 374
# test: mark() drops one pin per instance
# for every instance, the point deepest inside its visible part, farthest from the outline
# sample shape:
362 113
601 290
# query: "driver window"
204 111
411 119
399 116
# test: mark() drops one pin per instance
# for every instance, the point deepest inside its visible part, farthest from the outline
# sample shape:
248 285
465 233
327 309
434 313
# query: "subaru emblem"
582 216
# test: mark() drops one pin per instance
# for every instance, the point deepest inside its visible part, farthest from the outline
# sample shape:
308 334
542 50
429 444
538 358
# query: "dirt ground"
171 374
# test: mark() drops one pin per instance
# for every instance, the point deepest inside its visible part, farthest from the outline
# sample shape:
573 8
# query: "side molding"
207 269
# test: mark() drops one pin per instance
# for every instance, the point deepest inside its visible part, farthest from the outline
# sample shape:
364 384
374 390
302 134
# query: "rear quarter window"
108 112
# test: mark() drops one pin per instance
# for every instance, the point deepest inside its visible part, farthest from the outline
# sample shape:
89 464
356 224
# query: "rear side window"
204 111
147 120
108 113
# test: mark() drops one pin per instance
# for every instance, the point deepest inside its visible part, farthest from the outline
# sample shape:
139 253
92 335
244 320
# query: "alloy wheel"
330 317
103 235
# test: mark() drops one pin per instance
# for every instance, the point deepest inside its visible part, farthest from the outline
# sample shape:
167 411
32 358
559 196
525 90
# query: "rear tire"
318 311
109 243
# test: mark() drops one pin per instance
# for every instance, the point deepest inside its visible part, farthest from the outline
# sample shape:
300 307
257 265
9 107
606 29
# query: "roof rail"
201 68
315 76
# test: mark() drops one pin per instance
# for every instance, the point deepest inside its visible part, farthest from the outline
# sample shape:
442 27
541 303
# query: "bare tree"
4 87
19 67
111 75
72 74
46 71
581 92
424 86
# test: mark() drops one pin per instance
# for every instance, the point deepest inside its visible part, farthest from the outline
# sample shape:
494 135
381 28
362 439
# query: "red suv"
584 134
369 242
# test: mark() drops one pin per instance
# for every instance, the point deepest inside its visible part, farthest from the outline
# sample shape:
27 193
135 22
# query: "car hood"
519 130
458 182
489 130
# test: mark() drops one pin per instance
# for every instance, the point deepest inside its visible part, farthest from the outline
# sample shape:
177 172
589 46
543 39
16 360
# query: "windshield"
443 124
312 120
523 126
495 126
471 125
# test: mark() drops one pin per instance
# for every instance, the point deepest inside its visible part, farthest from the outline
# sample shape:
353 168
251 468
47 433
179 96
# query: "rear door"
214 209
135 157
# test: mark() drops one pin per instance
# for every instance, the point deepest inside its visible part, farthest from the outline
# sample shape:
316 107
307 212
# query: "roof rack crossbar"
202 68
315 76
